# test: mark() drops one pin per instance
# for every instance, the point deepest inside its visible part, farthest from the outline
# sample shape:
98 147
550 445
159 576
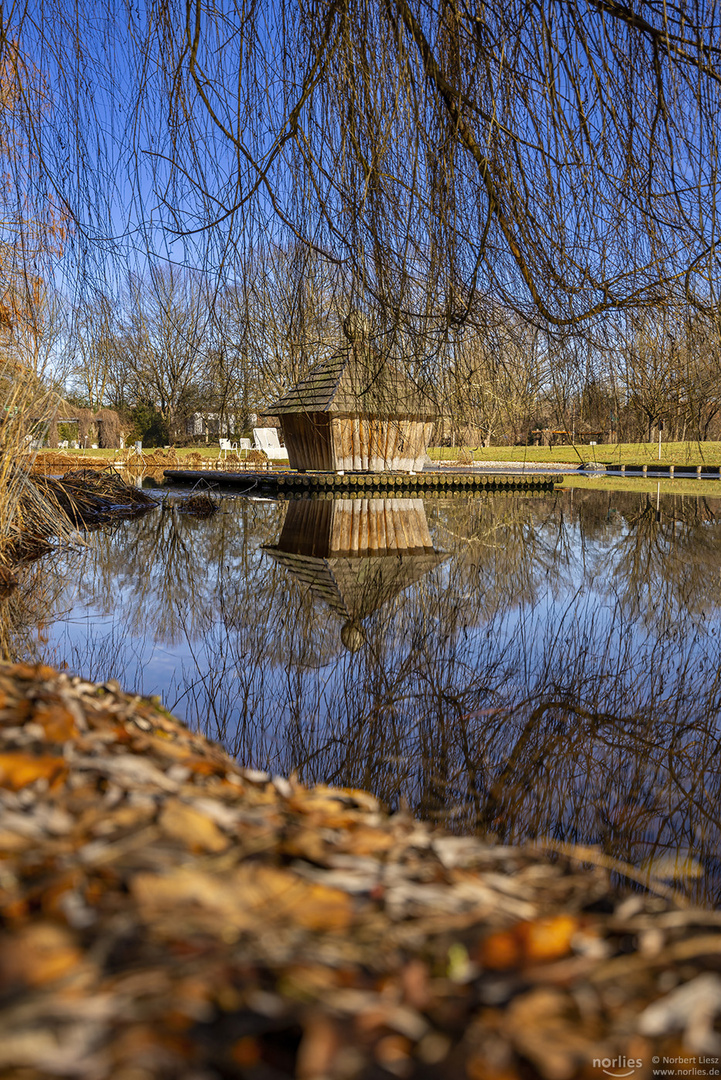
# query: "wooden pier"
653 470
428 484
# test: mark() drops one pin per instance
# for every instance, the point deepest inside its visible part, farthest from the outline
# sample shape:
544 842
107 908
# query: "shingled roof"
354 586
357 381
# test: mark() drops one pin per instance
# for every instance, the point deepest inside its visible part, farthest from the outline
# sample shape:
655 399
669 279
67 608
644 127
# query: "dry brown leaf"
364 840
56 721
253 895
186 886
34 671
58 888
321 1042
544 1027
304 844
533 942
18 713
14 842
245 1052
38 954
363 798
500 951
547 939
324 813
182 822
17 770
311 905
478 1068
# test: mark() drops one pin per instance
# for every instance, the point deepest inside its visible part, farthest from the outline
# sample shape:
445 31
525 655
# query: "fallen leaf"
309 904
18 770
182 822
252 895
245 1052
319 1045
532 942
547 939
544 1026
38 954
56 721
364 840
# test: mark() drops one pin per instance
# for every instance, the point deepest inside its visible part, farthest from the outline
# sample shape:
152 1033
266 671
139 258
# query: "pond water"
524 667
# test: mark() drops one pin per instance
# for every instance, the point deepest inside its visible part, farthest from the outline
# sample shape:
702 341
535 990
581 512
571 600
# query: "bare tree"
165 339
561 158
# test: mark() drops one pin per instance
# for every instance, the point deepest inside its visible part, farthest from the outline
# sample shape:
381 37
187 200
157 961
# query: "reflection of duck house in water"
356 412
356 554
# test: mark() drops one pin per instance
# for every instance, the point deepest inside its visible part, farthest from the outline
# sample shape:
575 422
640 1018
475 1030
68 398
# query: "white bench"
266 439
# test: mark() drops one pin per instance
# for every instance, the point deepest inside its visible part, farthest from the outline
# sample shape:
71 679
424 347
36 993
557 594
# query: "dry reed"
27 408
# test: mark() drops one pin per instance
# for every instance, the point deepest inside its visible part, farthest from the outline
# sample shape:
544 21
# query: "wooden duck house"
356 554
355 412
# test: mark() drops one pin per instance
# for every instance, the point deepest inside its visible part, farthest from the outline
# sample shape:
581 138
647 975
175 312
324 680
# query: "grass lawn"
679 453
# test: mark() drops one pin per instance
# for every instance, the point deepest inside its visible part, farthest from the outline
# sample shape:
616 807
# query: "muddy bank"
166 913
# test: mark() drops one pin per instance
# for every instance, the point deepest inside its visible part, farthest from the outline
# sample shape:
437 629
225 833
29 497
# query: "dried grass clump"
26 409
202 505
160 458
87 497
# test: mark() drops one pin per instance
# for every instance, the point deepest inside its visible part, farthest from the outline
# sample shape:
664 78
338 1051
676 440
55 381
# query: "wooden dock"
384 485
655 470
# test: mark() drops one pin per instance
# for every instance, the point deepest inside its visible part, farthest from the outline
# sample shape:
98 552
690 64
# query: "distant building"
355 412
204 425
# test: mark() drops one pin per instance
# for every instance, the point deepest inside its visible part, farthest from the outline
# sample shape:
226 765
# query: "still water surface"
515 666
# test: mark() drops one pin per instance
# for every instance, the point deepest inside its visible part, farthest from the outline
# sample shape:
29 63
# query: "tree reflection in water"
557 674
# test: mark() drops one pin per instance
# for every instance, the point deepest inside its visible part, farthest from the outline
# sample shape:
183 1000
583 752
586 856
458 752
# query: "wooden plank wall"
378 527
324 529
325 443
308 441
307 528
363 444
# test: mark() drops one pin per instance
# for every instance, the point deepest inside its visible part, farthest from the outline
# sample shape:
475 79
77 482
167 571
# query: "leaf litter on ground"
168 913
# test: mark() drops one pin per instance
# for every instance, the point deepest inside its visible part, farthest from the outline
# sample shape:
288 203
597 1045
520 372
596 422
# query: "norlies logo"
618 1066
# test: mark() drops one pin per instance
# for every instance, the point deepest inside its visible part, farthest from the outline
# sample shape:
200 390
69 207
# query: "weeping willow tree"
451 165
558 159
32 236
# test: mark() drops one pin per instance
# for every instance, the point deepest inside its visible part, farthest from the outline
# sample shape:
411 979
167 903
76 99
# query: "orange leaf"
37 955
56 721
245 1052
537 942
500 951
193 828
19 770
33 671
548 939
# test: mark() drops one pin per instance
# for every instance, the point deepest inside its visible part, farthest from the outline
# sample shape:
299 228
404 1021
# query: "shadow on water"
521 667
